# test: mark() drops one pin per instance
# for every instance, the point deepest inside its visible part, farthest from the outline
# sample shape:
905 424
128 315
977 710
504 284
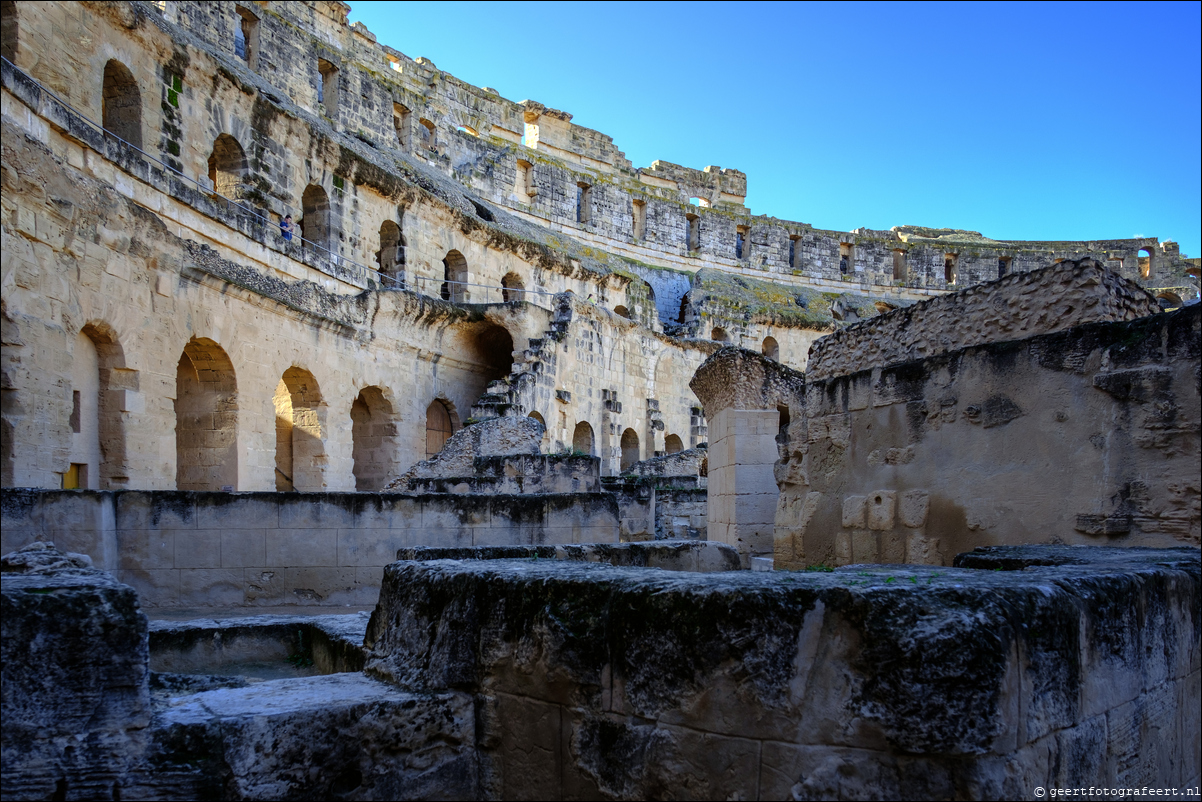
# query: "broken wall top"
1015 307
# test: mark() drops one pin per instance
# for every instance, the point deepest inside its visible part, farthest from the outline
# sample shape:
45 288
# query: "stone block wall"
881 682
1085 436
180 549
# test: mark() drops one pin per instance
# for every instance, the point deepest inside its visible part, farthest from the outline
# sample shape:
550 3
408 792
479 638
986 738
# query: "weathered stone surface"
866 682
668 555
498 437
340 736
75 699
1013 308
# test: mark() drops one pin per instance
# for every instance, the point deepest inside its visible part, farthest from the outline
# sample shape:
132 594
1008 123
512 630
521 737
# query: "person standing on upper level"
286 228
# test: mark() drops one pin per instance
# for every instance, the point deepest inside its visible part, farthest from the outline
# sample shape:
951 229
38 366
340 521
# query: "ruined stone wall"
1087 436
180 549
893 682
1013 308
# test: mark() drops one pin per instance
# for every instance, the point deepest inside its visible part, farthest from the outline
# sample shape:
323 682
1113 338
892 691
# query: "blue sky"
1026 121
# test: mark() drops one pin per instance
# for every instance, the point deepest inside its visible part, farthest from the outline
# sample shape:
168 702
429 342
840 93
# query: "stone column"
742 493
742 393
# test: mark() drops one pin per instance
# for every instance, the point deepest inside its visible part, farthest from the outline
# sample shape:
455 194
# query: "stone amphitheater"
647 496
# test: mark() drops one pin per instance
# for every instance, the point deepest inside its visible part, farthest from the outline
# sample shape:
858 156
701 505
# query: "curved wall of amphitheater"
439 228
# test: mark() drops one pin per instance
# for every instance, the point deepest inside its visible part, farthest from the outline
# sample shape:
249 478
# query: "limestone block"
865 547
330 725
301 547
880 508
854 511
912 509
76 701
198 548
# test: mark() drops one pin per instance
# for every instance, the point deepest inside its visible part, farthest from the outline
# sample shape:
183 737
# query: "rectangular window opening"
640 219
246 37
900 268
584 203
741 249
327 88
847 257
694 232
401 124
795 252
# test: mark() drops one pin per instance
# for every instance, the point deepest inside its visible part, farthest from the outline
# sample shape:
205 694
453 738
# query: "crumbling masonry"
489 338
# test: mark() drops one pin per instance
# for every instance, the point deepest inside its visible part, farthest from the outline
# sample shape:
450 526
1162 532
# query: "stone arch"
673 444
427 134
441 423
206 418
374 446
227 166
493 348
583 441
391 256
9 30
719 335
771 348
113 380
121 103
315 217
454 277
630 449
546 433
300 458
1168 300
1146 263
512 288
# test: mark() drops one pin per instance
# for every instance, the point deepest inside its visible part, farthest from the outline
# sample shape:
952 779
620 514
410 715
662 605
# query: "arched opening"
439 426
546 435
97 457
622 311
8 30
684 308
511 288
426 131
493 346
630 449
883 308
227 165
950 260
299 443
206 418
391 256
1145 263
583 442
373 440
121 114
454 277
315 217
771 348
1168 301
719 335
467 129
673 444
900 268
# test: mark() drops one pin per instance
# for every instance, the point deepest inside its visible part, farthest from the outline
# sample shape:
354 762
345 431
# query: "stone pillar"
743 494
742 393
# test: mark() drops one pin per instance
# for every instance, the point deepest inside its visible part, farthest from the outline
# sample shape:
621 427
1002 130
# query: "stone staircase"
514 395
